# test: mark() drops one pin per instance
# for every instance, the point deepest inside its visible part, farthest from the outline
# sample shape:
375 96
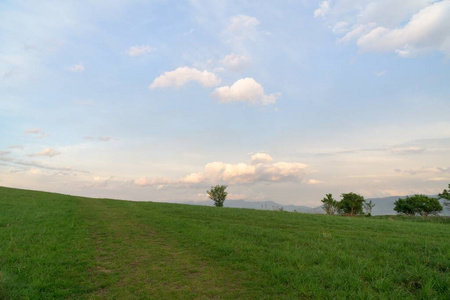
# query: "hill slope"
57 246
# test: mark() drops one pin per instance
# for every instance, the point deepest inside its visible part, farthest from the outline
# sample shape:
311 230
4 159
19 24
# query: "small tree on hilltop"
446 195
330 206
217 194
418 205
352 204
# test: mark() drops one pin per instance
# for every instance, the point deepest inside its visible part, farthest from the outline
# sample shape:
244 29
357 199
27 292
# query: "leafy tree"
446 195
351 203
431 206
368 206
405 206
330 206
418 205
218 195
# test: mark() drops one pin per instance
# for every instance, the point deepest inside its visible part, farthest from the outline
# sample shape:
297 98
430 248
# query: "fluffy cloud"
244 90
427 30
46 152
77 68
406 28
139 50
261 169
261 158
182 76
236 62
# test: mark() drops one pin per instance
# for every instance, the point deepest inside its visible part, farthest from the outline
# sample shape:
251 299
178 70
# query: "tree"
418 205
351 203
217 194
446 195
431 206
368 206
330 206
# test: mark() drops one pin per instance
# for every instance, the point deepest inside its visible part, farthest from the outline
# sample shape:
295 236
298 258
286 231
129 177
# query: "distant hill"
262 205
383 206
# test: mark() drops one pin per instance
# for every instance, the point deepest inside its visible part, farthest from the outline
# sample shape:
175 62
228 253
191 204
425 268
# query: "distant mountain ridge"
261 205
383 206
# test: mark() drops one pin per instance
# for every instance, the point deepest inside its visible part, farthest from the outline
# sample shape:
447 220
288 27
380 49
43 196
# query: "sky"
279 100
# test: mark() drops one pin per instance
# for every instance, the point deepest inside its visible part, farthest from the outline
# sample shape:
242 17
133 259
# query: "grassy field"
58 246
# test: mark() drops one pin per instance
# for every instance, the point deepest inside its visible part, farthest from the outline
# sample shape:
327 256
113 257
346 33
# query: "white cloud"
144 181
314 181
77 68
357 32
427 30
261 158
240 173
407 28
407 150
244 90
46 152
236 62
381 73
193 178
322 10
182 75
139 50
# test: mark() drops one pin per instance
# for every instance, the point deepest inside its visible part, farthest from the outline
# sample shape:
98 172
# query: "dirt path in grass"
135 261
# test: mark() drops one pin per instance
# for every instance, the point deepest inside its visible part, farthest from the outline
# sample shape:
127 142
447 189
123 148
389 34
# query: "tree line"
354 204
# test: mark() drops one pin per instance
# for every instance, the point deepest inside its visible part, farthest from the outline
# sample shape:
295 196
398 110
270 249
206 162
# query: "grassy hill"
58 246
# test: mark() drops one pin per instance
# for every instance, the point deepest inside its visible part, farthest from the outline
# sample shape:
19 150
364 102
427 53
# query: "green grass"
57 246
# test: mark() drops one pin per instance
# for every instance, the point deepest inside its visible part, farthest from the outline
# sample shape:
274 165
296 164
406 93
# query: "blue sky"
285 101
